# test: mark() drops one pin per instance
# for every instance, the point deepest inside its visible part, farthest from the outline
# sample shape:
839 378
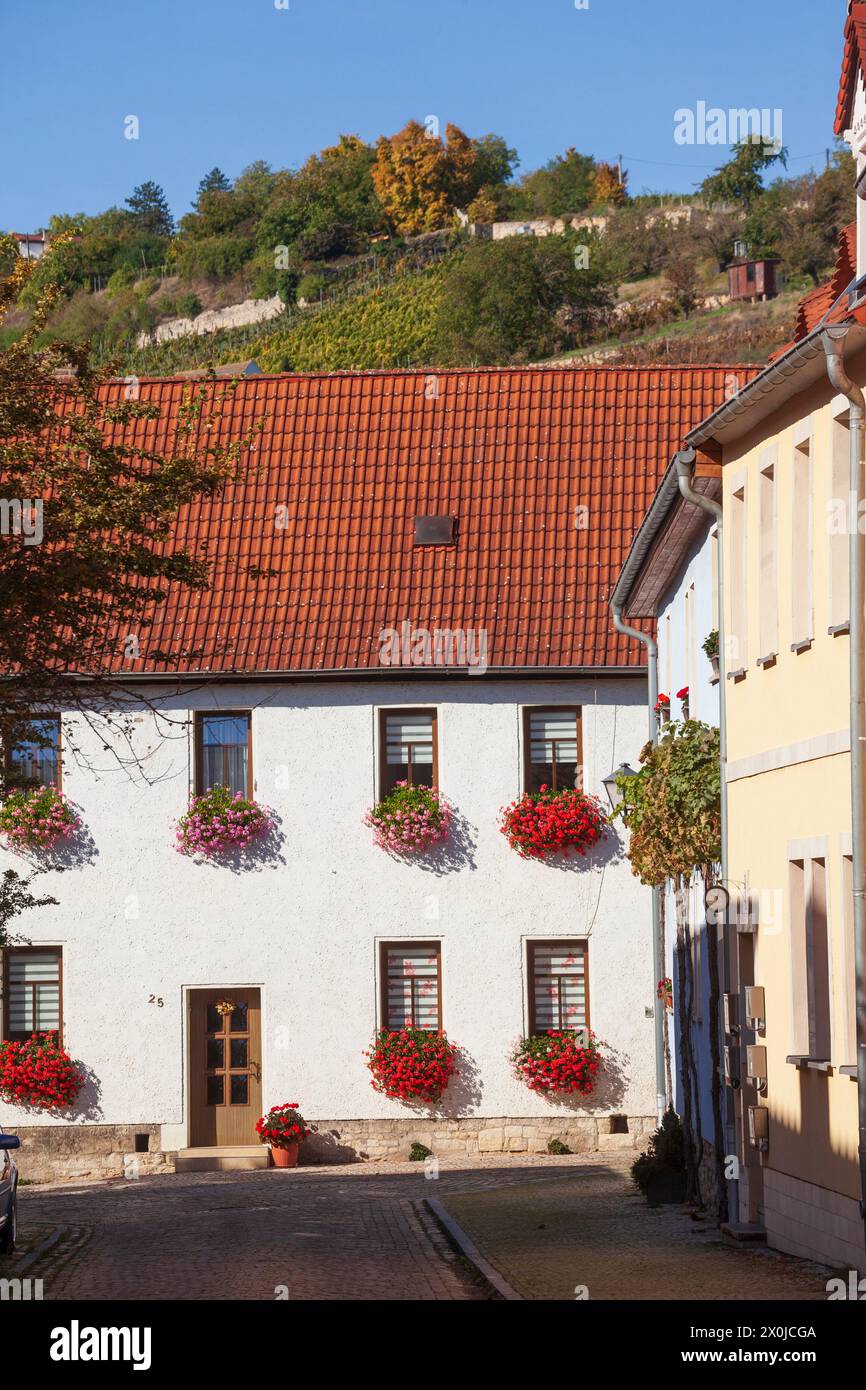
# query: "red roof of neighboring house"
853 65
816 305
547 471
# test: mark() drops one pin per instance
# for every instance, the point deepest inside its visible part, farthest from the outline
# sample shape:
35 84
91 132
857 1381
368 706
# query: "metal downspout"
834 346
652 652
685 463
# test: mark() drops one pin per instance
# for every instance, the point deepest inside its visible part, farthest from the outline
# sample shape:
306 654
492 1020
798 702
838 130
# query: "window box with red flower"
559 1062
39 1074
540 824
411 1064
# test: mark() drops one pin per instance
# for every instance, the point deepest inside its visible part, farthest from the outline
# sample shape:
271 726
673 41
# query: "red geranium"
558 1061
683 694
39 1073
411 1064
283 1125
546 822
663 702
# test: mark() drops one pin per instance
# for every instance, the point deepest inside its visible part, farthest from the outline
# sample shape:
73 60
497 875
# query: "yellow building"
783 443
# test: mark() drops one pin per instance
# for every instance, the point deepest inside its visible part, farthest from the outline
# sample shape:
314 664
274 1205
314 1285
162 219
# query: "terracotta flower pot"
285 1157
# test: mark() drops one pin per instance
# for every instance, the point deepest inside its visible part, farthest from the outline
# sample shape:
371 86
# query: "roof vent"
434 530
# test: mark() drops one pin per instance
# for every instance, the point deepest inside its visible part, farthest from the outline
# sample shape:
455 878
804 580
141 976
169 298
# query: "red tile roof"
853 65
513 454
816 305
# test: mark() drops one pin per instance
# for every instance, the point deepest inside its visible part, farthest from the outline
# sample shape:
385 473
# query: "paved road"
362 1232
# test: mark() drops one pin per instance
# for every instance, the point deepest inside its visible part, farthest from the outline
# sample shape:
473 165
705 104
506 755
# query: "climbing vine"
672 810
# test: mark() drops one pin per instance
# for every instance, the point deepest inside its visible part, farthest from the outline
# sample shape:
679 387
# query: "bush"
665 1153
557 1147
311 287
188 305
419 1152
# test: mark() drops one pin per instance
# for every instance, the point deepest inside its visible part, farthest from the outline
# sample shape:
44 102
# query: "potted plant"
663 709
39 1073
539 824
218 821
711 650
660 1173
36 817
284 1129
683 695
410 819
411 1064
665 992
561 1061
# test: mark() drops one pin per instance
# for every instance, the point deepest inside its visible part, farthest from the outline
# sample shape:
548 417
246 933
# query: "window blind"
559 986
34 991
412 987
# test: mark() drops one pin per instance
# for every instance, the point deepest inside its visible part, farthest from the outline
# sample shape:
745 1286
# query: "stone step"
222 1158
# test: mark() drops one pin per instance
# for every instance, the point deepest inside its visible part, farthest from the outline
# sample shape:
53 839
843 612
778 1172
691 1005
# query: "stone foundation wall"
60 1153
346 1141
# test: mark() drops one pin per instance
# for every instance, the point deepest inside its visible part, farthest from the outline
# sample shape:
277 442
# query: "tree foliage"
740 180
517 300
105 505
672 807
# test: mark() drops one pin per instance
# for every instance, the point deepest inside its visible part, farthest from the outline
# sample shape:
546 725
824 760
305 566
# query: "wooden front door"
225 1055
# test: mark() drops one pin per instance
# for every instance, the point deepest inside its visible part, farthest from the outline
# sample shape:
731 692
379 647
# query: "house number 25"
154 999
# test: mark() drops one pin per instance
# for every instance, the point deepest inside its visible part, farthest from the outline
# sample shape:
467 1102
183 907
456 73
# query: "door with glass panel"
225 1050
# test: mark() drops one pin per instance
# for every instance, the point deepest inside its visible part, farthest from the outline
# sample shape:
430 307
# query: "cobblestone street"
363 1232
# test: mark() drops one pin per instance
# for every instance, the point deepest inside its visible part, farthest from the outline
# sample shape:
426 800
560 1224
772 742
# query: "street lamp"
610 782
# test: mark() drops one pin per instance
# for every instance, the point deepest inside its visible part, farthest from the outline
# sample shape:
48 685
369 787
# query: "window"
737 657
558 985
552 752
408 749
849 975
802 620
32 991
838 523
768 640
411 977
35 760
810 959
223 752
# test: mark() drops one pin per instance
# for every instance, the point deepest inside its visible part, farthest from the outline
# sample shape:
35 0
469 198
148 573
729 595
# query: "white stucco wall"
142 920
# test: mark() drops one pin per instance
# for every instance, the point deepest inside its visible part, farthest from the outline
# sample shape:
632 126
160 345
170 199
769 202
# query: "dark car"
8 1192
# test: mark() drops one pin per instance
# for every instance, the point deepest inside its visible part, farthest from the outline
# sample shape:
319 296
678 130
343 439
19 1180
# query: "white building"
279 682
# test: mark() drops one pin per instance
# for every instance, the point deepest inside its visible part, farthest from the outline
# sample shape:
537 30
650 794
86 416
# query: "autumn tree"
609 189
421 180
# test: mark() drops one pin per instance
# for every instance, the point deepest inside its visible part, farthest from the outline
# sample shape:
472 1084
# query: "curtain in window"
34 991
36 760
559 986
553 748
225 752
409 749
412 987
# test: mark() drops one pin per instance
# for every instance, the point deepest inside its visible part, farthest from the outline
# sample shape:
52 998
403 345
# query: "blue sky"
228 81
